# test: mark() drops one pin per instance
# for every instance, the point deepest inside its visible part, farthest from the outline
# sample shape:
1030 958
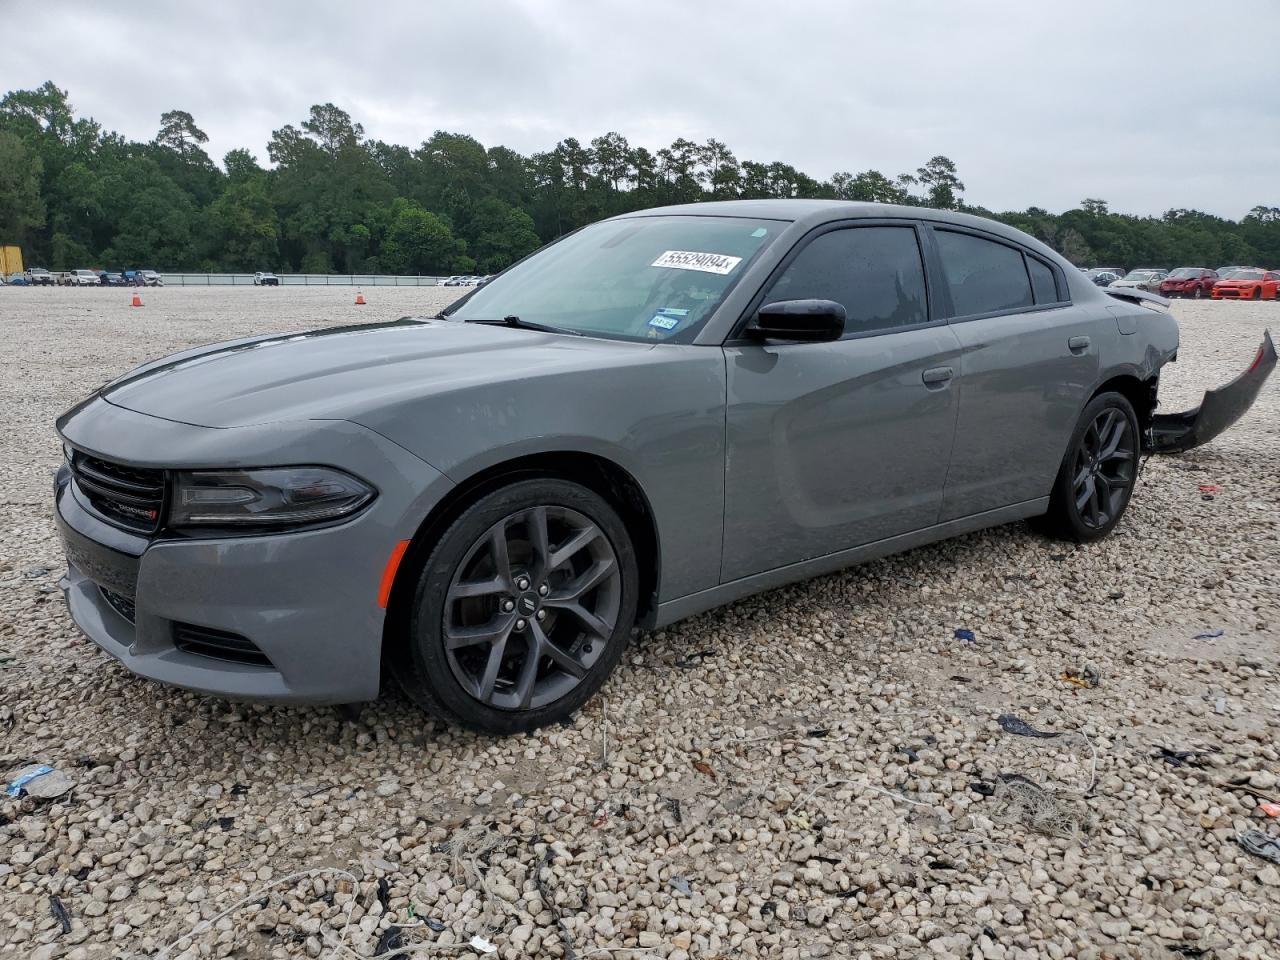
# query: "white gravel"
788 777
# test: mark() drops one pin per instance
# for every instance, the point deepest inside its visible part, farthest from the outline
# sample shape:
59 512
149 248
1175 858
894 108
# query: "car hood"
1236 283
343 372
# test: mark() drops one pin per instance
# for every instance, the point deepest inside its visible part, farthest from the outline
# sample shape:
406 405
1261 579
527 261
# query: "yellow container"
10 259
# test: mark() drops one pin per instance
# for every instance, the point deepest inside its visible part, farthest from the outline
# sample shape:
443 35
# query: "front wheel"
1199 293
1098 473
522 609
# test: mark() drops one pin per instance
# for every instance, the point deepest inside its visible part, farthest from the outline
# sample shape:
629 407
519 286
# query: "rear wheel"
1198 293
1097 475
522 610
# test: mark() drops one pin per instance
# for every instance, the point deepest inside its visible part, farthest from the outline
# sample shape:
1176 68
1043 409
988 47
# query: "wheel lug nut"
543 590
586 648
508 605
523 583
542 614
520 624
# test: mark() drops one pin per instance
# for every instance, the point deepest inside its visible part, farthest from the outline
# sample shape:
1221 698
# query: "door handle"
937 375
1078 344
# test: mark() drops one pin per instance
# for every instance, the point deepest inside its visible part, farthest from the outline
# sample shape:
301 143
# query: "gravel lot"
813 772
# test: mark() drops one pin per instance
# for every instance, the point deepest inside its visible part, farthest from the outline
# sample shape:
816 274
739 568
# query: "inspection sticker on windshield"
668 318
691 260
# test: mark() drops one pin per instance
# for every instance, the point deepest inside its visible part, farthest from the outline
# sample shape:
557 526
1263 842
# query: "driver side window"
875 273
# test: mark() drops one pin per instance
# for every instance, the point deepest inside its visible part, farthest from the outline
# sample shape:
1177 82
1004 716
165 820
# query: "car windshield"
642 278
1245 275
1139 274
1185 273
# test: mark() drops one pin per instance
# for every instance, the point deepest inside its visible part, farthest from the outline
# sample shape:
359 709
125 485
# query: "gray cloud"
1143 104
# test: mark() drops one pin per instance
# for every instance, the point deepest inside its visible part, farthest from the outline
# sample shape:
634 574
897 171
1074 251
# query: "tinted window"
1042 282
876 273
982 275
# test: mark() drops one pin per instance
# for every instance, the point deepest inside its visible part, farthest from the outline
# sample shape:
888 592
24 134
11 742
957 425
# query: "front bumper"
280 617
1220 408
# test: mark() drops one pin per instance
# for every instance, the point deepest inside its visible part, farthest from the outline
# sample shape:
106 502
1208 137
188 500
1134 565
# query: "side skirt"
694 603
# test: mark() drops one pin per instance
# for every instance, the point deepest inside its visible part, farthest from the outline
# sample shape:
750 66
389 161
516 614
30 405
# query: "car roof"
812 213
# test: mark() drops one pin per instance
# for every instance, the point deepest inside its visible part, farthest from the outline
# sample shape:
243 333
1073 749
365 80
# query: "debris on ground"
964 633
1260 845
481 944
1209 634
39 781
60 914
1020 727
1086 676
1019 800
392 939
679 884
1184 758
1269 808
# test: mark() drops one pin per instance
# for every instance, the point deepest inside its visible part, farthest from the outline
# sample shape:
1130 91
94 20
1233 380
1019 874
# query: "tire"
498 614
1257 294
1199 293
1081 507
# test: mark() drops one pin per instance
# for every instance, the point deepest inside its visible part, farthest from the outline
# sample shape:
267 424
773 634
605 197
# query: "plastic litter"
392 939
964 633
1184 758
1220 705
1015 725
434 925
39 781
679 884
481 944
1260 845
1270 809
1209 634
384 892
60 914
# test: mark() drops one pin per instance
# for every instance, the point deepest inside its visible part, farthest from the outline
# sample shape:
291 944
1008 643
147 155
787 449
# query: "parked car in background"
40 277
1103 276
1252 283
1194 282
109 279
1224 272
455 281
265 278
150 278
84 278
1146 278
19 280
664 412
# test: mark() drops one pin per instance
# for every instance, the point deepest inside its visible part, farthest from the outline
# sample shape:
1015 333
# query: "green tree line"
333 200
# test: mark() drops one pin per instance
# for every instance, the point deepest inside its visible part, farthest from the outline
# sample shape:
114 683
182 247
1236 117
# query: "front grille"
217 644
127 496
120 604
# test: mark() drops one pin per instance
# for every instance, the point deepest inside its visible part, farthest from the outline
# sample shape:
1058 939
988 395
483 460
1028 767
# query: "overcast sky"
1148 105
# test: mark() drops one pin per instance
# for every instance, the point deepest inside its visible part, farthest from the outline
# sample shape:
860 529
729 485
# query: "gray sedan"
655 415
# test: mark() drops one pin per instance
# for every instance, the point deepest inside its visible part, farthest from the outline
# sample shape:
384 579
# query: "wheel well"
598 474
1140 393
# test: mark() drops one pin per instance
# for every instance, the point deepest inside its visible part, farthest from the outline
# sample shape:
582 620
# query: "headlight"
266 499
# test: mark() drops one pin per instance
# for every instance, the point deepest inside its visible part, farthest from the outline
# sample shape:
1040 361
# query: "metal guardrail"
297 280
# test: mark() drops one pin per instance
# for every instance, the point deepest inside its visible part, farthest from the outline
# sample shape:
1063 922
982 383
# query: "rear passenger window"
876 273
983 276
1042 282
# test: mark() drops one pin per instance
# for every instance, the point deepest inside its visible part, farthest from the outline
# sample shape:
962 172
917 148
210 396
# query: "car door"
834 445
1029 357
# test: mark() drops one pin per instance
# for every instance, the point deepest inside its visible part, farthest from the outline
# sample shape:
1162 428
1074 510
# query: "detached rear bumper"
1220 408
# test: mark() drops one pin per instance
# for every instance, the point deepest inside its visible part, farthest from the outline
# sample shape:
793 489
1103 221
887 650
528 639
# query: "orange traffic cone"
359 299
137 299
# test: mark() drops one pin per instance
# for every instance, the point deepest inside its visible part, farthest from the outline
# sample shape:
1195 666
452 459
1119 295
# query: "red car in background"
1194 282
1251 283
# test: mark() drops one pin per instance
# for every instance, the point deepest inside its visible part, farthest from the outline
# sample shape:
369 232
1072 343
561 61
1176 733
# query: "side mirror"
806 321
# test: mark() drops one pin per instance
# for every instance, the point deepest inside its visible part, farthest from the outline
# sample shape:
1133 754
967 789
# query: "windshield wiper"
514 321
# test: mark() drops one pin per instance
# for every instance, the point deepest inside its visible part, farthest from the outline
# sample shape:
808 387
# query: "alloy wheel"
1103 469
531 607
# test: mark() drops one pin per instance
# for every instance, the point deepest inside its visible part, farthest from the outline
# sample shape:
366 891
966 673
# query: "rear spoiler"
1136 295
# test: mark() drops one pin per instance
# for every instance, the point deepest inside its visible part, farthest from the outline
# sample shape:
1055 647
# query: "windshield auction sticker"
691 260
